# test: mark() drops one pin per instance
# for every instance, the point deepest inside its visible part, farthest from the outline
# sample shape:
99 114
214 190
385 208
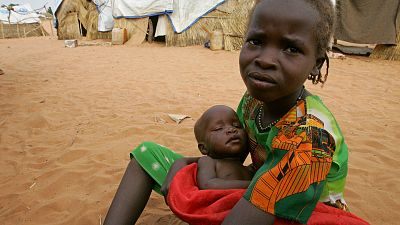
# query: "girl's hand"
176 166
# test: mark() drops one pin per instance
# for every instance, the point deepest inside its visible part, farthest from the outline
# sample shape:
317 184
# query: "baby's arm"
176 166
207 176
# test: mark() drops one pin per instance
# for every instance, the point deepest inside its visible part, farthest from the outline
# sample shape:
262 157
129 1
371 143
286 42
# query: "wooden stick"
51 27
41 29
19 36
205 29
234 35
2 30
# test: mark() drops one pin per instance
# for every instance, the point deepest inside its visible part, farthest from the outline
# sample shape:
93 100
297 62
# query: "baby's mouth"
234 139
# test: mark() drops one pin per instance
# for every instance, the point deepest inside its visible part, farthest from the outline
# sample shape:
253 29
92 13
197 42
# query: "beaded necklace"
261 110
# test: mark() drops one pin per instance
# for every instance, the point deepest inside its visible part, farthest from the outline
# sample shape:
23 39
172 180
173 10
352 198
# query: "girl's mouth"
263 77
260 80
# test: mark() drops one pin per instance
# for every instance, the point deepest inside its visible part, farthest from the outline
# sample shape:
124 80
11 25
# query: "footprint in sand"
170 220
37 120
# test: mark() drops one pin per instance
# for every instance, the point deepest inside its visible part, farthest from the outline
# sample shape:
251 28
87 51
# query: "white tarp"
182 13
106 20
161 29
140 8
57 4
21 14
187 12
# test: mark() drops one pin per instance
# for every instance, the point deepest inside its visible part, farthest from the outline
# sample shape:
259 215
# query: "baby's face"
223 134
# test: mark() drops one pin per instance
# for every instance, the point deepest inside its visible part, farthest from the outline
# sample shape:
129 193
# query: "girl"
296 146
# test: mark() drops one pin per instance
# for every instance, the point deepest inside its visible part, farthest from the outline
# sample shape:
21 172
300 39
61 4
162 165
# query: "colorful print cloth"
199 207
302 159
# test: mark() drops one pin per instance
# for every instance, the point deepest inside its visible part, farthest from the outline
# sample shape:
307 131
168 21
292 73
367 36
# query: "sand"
69 118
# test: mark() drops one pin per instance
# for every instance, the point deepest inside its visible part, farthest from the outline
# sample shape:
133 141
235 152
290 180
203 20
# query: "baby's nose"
231 129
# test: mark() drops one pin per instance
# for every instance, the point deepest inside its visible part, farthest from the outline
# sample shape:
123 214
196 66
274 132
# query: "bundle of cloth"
199 207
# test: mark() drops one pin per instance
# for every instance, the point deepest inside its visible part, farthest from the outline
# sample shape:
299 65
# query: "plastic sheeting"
106 21
21 14
141 8
368 21
181 13
187 12
161 29
57 4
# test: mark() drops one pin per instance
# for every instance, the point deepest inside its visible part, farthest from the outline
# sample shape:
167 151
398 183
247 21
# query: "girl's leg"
131 197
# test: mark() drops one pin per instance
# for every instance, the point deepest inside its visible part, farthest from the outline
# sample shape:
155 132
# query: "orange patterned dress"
300 160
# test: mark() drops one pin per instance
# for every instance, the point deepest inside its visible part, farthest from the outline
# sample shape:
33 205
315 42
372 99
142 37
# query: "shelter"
184 22
230 17
181 22
76 19
20 22
371 22
389 52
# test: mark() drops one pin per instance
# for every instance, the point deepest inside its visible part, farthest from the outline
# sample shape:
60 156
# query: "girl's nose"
267 58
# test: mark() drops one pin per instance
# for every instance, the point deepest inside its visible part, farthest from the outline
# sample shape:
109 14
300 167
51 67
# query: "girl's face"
280 49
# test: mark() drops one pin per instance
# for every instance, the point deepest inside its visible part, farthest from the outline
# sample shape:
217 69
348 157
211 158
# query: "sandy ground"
69 117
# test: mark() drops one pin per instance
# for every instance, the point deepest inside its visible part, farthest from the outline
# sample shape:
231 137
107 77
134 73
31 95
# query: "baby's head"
219 133
286 44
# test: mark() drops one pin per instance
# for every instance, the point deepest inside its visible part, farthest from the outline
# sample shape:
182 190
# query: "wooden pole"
19 35
41 29
80 28
51 26
2 30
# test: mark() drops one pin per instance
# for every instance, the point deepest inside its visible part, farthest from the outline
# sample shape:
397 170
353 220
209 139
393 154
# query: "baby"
223 142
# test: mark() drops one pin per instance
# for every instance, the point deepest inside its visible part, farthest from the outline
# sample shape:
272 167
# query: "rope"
25 13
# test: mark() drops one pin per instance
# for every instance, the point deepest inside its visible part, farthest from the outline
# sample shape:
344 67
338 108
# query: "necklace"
261 110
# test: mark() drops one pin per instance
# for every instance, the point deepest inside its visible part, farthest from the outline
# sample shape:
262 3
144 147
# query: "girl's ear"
317 68
202 148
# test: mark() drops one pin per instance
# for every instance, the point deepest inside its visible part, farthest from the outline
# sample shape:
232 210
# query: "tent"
181 22
367 21
370 22
185 22
230 18
76 19
22 21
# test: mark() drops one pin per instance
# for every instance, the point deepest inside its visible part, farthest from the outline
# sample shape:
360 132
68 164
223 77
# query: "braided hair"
323 34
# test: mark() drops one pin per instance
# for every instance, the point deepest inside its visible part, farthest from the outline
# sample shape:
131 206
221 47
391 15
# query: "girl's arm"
245 213
176 166
207 176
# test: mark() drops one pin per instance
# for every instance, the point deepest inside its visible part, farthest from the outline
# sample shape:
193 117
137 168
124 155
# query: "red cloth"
200 207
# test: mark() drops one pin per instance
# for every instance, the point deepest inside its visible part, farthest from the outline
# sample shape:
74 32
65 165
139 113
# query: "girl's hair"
323 32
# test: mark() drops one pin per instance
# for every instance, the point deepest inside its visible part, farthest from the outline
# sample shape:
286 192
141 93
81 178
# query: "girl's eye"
254 42
217 129
292 50
237 125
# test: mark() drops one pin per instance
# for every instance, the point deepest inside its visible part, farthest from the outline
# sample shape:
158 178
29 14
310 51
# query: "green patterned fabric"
300 160
156 160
